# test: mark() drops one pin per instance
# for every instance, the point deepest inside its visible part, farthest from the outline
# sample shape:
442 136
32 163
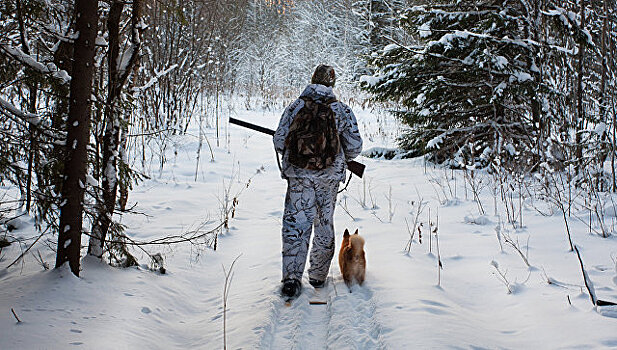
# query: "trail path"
346 321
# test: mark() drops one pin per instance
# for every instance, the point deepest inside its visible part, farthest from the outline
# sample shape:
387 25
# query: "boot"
291 288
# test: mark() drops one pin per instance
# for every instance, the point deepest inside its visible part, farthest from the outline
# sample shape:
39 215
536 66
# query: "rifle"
356 168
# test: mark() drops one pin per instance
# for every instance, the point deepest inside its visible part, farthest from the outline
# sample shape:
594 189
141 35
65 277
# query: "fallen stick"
589 284
14 314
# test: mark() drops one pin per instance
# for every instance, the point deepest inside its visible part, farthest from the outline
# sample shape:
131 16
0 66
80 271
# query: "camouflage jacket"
351 141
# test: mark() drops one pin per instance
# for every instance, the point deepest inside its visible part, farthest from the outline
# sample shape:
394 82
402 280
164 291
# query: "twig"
439 264
189 236
516 247
502 276
430 235
378 218
25 251
390 208
498 233
14 314
411 234
412 231
588 283
150 133
226 287
39 258
344 206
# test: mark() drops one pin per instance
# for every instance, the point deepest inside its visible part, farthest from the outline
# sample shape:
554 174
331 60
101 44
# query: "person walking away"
316 136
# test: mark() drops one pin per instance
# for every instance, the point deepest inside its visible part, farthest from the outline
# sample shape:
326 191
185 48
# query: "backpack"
313 139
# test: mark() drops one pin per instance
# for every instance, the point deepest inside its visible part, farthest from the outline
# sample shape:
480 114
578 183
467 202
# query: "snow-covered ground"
404 304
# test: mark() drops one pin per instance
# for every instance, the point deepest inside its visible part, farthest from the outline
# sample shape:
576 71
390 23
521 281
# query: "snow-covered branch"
155 79
30 118
30 62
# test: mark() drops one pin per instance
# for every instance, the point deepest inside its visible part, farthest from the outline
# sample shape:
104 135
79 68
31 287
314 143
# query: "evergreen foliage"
522 85
465 93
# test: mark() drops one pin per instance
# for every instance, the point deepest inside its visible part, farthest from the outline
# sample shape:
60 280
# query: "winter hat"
324 75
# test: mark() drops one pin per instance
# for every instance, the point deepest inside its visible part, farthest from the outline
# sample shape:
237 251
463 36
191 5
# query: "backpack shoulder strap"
328 102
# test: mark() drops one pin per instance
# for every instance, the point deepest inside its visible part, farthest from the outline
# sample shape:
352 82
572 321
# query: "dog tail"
356 242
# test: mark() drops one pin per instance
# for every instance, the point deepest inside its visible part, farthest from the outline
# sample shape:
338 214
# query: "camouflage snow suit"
311 194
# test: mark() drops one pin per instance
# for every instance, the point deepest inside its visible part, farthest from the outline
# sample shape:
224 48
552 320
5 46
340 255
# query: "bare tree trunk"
32 94
604 68
603 100
535 21
118 74
78 125
610 46
33 145
580 117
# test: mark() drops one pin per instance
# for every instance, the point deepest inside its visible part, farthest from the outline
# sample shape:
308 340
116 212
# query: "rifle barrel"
251 126
353 166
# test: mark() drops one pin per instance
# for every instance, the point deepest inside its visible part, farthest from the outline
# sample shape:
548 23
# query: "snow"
436 141
419 100
91 181
510 148
370 80
521 76
600 129
448 39
125 58
425 30
481 220
28 117
100 41
29 61
156 78
501 62
402 305
499 89
390 47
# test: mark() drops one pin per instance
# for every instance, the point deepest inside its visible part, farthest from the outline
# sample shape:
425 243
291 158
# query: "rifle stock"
354 167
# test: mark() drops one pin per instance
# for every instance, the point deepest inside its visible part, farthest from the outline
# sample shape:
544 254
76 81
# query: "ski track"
348 321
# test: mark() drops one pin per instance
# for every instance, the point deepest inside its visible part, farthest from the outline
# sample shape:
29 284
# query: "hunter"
316 136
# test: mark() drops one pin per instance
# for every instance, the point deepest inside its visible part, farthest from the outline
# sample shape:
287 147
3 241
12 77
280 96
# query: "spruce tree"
466 91
78 133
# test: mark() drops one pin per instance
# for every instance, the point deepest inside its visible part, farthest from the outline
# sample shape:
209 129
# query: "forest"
517 86
517 99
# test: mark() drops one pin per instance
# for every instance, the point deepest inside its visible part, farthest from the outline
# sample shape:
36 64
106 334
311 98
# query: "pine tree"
466 92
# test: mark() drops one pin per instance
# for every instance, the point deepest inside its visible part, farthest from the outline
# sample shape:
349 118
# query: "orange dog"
351 259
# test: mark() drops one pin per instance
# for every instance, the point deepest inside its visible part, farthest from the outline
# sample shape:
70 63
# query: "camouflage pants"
308 203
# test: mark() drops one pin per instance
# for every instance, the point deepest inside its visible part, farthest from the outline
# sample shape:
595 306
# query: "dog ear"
346 233
355 233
